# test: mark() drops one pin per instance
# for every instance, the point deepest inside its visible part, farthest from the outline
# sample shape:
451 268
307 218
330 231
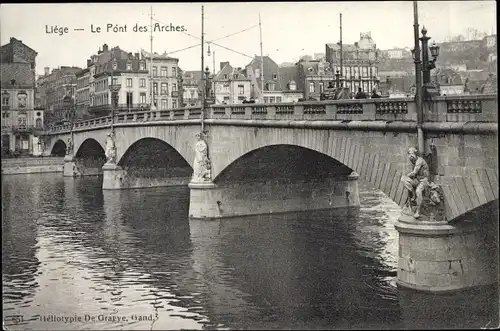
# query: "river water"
75 257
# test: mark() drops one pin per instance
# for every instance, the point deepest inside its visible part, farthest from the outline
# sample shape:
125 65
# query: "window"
164 88
235 76
225 76
142 82
164 104
293 86
129 82
270 86
266 99
365 71
278 99
163 71
311 87
174 71
143 98
142 66
129 66
115 81
192 94
174 87
174 103
275 76
272 99
226 99
241 89
155 88
5 100
321 87
5 115
155 71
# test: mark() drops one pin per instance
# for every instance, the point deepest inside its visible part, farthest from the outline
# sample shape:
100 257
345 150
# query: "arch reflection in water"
300 270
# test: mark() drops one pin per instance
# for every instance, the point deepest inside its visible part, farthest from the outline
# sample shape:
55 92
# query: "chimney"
46 71
222 64
129 55
105 47
89 62
137 56
99 51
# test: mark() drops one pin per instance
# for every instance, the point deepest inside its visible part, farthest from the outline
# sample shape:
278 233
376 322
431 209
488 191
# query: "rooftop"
16 74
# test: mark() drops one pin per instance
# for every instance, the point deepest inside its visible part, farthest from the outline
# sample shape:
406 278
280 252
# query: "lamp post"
418 79
180 82
427 64
207 86
337 79
114 89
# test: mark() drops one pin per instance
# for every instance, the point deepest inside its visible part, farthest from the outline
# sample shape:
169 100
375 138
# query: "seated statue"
416 181
419 186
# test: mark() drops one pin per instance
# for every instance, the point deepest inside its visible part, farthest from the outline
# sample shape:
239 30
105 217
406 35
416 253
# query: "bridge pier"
441 257
116 177
210 200
70 167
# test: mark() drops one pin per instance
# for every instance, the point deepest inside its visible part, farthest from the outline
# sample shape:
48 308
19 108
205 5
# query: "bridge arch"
154 157
378 157
91 155
59 148
282 161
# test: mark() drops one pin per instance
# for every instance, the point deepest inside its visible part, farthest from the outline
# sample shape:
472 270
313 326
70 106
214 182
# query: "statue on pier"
201 165
111 148
424 197
69 147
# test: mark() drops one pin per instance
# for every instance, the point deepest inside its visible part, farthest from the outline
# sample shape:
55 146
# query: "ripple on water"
135 252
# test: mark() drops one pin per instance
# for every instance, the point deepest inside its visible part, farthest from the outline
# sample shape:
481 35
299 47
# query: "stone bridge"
300 144
307 156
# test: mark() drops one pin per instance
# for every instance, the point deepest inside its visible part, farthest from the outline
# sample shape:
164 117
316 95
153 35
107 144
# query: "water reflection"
70 248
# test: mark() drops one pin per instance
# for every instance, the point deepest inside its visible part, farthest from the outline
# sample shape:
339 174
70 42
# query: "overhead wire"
212 41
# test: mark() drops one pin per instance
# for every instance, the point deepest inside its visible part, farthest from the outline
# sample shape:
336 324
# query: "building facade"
115 67
55 87
191 82
314 77
231 85
21 120
82 100
165 80
359 63
279 83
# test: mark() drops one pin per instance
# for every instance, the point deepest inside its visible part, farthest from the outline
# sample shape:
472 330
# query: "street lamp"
114 89
427 64
207 85
337 78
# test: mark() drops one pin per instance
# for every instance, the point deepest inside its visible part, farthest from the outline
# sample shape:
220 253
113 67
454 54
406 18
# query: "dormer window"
292 86
142 66
129 66
310 69
270 86
235 76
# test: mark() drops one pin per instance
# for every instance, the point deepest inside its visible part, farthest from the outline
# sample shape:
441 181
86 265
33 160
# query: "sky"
289 29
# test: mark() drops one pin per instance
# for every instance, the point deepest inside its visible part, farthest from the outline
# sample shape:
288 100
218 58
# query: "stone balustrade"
470 108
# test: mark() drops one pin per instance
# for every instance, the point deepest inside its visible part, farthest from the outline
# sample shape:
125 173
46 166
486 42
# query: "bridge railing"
402 109
467 108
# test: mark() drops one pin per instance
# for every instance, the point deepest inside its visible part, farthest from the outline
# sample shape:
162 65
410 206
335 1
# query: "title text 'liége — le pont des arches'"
115 28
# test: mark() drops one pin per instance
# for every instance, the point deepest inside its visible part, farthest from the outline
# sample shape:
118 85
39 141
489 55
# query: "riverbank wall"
31 165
